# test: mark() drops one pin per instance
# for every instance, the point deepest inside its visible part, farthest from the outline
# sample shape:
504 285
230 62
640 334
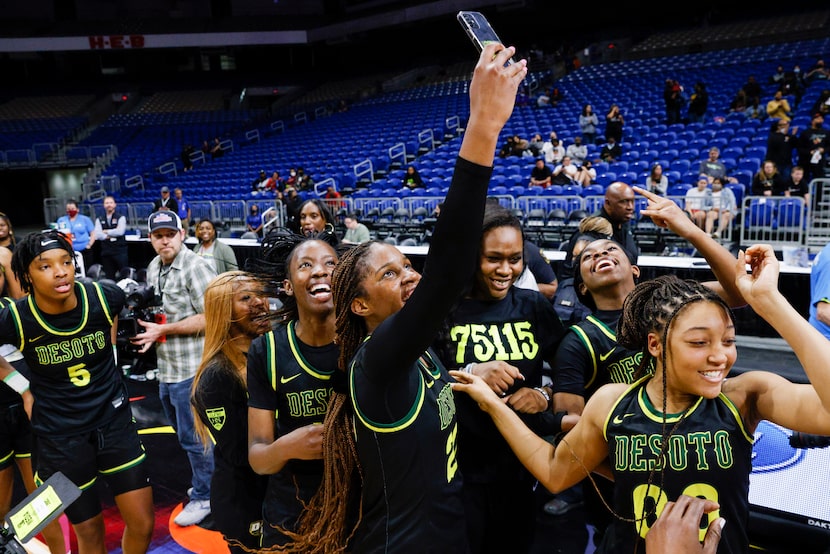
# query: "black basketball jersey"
72 372
521 329
590 357
280 379
709 455
409 470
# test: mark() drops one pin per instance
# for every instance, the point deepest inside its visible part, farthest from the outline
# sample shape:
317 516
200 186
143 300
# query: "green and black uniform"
293 381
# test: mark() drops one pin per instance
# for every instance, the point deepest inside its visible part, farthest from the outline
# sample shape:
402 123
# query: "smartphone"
479 30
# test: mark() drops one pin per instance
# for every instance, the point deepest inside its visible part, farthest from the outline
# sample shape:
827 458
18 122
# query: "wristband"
544 394
17 382
557 419
469 367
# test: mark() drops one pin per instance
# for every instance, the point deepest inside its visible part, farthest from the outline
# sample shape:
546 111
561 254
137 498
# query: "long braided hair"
652 307
328 523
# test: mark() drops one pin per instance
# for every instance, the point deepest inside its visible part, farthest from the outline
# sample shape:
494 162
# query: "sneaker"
558 507
190 492
716 235
194 512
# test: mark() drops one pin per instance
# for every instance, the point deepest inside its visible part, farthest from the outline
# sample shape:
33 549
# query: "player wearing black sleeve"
80 416
395 435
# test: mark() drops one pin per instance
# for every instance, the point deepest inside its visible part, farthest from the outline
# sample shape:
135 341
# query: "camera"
142 304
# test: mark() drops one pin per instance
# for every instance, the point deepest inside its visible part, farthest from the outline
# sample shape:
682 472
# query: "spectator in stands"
674 100
577 151
588 123
356 232
536 144
767 181
812 146
618 208
797 185
292 209
754 109
752 88
699 201
412 179
183 209
610 152
739 102
793 86
259 182
80 229
781 144
6 232
110 231
564 173
614 123
274 185
779 107
187 163
205 148
777 78
723 209
316 219
553 150
543 99
822 103
216 148
304 181
817 73
541 174
657 182
698 103
180 277
253 223
292 178
713 167
587 174
333 197
210 247
165 202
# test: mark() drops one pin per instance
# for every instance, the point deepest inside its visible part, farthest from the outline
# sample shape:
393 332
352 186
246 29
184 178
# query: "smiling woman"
505 334
80 392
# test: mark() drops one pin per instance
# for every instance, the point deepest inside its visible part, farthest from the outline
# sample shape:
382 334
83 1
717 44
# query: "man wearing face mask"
79 228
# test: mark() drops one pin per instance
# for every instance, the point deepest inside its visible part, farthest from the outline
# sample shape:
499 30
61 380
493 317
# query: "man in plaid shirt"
180 277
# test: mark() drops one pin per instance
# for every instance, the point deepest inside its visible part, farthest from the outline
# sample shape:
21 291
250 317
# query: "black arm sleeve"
449 266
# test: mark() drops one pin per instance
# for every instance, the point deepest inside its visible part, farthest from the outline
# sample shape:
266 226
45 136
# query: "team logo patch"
216 416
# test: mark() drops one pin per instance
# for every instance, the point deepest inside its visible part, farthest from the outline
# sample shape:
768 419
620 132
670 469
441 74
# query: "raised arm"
450 262
797 403
667 214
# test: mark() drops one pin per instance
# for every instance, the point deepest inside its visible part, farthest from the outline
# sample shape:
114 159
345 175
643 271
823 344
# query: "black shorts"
113 452
15 434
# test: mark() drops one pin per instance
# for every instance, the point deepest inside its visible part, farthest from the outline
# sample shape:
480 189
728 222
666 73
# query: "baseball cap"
165 189
164 220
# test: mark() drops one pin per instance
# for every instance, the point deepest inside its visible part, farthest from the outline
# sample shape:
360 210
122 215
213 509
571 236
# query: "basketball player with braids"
291 373
686 429
81 414
236 312
392 481
504 334
589 355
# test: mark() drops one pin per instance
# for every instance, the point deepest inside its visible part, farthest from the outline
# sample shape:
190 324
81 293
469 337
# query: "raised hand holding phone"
479 30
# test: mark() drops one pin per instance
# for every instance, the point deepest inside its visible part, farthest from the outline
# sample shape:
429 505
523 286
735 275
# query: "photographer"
180 277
